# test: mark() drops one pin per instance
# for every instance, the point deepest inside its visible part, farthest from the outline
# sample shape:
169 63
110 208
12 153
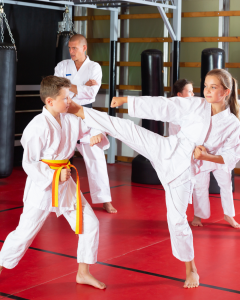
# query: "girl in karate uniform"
209 129
184 88
49 142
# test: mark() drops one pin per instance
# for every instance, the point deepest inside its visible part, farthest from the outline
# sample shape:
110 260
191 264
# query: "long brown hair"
228 82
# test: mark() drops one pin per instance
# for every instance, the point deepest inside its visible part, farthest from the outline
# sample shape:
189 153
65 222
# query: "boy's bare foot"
192 277
1 268
109 208
231 221
84 277
197 221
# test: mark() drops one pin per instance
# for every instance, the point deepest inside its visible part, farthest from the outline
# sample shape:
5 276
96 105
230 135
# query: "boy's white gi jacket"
195 117
44 138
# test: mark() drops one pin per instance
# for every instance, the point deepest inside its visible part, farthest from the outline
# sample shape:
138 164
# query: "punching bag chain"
4 17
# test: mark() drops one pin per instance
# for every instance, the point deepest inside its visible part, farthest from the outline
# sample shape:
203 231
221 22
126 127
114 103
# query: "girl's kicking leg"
18 241
87 244
146 143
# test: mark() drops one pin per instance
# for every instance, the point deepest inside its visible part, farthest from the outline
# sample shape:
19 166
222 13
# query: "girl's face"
187 91
214 92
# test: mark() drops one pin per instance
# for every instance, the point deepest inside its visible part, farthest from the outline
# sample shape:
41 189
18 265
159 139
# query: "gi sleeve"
231 151
90 92
85 133
161 108
34 139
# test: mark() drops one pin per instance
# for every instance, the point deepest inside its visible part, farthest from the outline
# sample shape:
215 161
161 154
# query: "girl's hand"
118 101
96 139
200 152
65 175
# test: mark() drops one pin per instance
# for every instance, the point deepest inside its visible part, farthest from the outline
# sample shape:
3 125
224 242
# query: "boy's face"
61 103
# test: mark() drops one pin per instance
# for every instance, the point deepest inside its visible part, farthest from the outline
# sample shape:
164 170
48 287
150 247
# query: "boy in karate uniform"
85 76
49 141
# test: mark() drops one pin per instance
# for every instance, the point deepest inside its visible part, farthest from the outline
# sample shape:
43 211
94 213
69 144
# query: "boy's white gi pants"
177 196
201 202
32 220
96 166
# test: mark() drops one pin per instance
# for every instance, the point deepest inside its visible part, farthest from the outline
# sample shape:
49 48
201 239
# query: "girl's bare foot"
231 221
1 268
197 221
109 208
84 277
192 277
192 280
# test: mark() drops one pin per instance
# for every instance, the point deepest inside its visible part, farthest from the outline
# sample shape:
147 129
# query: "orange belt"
58 165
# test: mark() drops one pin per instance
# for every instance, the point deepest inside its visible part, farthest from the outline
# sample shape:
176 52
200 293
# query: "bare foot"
1 268
192 280
90 280
197 221
109 208
231 221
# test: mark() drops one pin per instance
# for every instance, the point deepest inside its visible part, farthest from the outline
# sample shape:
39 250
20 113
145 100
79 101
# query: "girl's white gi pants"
177 197
96 166
201 202
32 220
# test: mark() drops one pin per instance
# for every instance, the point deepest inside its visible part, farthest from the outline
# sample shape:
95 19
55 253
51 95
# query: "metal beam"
166 22
223 27
34 5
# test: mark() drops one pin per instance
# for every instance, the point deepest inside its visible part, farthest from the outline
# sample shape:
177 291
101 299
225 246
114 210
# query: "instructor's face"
77 50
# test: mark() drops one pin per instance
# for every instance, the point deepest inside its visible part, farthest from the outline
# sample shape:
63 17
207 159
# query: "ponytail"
233 99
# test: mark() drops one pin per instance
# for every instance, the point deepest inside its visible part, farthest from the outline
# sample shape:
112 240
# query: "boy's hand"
65 175
91 82
118 101
96 139
200 152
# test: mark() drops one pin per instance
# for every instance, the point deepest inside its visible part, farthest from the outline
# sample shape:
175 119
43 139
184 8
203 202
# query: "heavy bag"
152 85
8 67
212 58
62 51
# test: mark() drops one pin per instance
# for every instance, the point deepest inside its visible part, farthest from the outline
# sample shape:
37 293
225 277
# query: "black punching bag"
212 58
8 67
152 85
62 51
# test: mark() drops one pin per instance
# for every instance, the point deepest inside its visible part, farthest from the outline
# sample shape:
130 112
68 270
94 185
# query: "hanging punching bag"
152 85
212 58
8 67
62 51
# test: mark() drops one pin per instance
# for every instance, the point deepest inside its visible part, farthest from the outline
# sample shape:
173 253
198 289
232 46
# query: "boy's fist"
65 175
118 101
96 139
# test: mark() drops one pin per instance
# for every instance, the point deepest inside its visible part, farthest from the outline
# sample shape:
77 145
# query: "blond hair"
51 87
228 82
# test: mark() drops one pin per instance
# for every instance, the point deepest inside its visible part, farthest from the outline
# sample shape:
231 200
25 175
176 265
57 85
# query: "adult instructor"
85 76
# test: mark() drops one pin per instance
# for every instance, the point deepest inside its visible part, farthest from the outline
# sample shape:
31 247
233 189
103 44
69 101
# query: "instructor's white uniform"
44 138
201 201
172 157
93 156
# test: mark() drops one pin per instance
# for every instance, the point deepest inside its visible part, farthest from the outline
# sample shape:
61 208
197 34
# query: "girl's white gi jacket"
44 138
219 133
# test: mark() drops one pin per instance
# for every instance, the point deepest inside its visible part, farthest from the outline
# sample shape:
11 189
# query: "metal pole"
223 27
176 43
112 78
